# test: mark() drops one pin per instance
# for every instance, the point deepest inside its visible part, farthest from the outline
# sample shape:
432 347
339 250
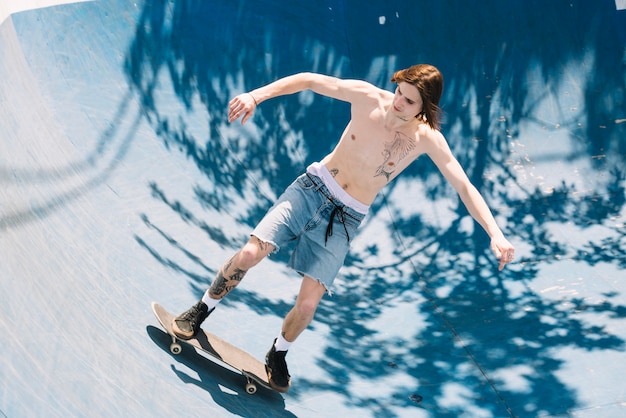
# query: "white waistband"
318 169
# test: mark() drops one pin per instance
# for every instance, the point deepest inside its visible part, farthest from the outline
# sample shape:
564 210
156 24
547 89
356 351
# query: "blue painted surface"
122 183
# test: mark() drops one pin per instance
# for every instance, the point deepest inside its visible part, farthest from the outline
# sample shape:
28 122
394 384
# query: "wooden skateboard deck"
219 349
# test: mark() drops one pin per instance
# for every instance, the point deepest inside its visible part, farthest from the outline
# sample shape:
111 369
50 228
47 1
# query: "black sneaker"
277 372
187 324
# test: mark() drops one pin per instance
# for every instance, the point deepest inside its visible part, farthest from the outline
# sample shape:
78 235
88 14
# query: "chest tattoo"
395 150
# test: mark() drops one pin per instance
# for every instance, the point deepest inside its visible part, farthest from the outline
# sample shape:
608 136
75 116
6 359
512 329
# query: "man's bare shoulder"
432 135
368 95
364 88
435 143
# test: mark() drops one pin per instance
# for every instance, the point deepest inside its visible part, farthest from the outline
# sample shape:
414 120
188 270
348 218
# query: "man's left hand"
503 250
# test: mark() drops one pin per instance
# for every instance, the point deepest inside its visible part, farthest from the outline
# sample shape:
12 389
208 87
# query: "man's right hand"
242 105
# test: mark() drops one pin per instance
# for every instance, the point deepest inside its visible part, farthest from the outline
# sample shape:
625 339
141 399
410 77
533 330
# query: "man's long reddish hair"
429 82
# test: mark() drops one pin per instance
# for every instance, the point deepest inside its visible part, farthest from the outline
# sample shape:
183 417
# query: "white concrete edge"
8 7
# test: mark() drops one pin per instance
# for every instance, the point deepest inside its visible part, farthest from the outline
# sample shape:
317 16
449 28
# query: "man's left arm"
470 196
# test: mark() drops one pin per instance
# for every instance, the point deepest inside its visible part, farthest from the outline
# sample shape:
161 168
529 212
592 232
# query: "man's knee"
306 308
252 253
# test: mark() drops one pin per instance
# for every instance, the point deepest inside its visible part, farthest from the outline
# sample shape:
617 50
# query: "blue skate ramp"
122 183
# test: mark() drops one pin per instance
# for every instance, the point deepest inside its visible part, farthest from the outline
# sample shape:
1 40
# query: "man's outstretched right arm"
244 104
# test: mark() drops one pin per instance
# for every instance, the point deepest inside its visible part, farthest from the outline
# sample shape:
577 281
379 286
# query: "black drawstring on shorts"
336 210
329 228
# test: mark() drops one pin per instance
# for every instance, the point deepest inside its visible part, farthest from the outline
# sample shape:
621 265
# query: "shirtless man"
323 208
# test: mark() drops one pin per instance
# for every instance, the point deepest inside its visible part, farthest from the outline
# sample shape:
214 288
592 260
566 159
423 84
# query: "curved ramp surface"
122 183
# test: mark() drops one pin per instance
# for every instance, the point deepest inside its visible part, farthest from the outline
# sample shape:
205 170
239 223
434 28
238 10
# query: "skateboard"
218 350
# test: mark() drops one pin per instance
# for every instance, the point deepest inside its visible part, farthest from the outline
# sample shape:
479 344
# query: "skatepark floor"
122 183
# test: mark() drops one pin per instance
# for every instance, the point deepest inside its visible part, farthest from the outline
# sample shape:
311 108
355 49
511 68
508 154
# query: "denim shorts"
303 213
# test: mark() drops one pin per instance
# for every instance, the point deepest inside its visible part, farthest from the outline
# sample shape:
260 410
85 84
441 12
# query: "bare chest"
381 153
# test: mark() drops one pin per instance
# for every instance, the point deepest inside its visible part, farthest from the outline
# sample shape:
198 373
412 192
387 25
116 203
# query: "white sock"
209 301
281 343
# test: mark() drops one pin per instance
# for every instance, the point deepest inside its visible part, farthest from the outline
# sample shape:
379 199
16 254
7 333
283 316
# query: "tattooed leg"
231 273
226 280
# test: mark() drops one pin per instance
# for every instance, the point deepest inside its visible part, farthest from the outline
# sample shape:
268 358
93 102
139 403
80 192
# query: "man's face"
407 102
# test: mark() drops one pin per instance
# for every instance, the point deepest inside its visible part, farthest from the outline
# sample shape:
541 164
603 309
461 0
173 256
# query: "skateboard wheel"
251 388
175 348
